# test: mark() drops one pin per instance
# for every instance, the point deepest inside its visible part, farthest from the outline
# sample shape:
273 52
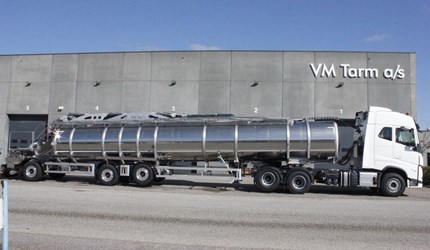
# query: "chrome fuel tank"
200 140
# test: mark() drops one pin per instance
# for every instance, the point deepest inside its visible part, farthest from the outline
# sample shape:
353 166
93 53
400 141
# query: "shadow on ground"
221 187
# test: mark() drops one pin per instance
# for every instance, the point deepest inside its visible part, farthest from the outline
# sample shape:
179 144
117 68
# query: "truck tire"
32 171
108 175
267 179
143 175
298 182
393 184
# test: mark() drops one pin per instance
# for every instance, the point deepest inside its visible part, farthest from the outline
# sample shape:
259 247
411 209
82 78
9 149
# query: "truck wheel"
32 171
143 175
393 185
267 179
298 182
108 175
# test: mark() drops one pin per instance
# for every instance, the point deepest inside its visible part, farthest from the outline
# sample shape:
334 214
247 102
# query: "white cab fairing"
391 142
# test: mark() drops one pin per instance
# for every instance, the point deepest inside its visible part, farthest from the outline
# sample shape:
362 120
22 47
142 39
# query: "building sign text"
322 70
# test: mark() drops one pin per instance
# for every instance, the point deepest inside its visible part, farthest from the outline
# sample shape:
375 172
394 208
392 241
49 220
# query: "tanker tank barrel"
200 138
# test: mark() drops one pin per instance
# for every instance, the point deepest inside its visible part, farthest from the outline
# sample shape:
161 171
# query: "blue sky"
71 26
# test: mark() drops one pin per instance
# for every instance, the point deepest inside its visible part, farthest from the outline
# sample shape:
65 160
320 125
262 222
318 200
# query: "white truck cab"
391 149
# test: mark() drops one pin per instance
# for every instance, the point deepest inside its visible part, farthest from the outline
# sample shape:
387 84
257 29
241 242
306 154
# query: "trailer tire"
32 171
393 184
298 182
107 174
267 179
143 175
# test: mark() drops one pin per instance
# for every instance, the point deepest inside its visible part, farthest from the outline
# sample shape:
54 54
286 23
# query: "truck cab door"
383 147
405 150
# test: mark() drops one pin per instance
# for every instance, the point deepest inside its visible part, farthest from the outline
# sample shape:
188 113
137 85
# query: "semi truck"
380 152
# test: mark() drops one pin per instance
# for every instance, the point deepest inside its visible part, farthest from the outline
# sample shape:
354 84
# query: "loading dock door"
26 129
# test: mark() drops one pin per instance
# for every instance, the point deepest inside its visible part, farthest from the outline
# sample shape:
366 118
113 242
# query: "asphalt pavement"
77 213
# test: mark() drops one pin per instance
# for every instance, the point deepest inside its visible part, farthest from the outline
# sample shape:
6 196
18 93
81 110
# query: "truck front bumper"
417 183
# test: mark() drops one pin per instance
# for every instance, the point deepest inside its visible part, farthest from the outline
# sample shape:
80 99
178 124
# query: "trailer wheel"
393 184
143 175
108 175
32 171
267 179
298 182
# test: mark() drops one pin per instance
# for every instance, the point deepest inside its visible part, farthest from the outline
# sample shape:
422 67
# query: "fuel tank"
198 139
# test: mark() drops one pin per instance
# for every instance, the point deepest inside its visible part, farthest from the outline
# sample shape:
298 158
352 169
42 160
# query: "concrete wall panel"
340 102
215 66
177 66
354 99
135 97
64 68
214 97
100 67
296 66
265 99
62 94
393 96
104 98
33 99
413 111
34 68
4 91
413 76
298 99
4 128
137 66
390 61
5 66
183 96
256 66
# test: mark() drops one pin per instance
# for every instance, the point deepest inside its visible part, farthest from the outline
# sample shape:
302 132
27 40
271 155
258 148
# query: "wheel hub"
299 182
107 175
31 172
142 174
393 185
268 179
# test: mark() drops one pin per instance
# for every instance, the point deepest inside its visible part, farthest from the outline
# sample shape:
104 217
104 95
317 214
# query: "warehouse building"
35 89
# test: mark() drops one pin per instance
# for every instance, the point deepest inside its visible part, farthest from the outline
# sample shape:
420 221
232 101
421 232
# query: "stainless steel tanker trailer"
146 148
